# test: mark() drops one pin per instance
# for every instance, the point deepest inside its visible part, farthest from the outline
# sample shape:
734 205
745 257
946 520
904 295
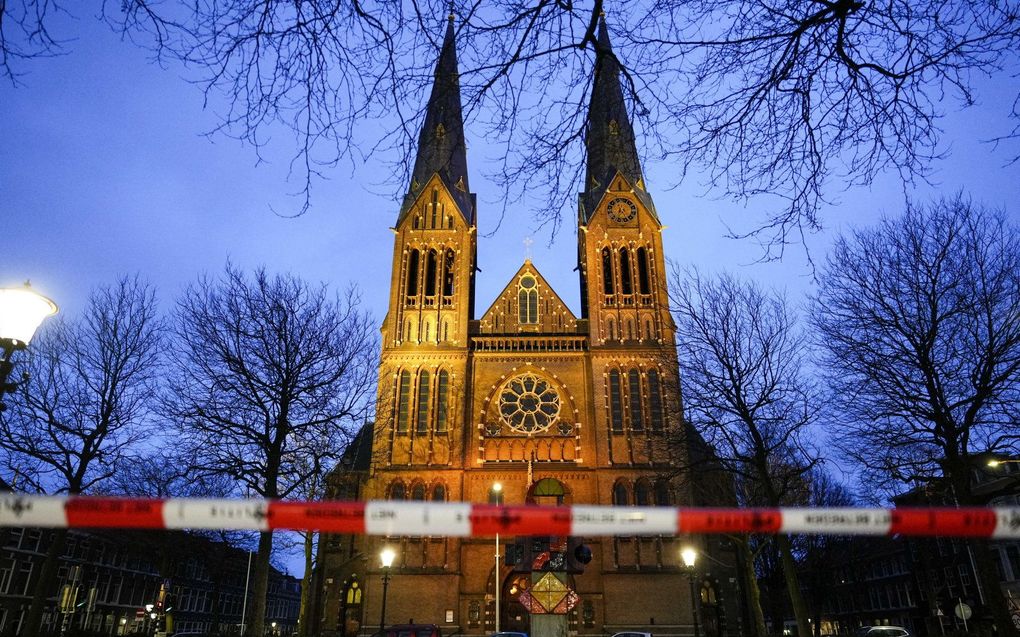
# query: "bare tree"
745 389
270 371
919 322
25 34
778 97
85 406
822 555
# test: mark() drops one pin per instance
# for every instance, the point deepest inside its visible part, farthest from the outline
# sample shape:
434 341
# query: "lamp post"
386 557
998 462
497 497
689 556
22 310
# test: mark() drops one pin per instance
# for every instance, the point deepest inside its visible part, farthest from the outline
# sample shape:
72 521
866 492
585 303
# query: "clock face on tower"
621 210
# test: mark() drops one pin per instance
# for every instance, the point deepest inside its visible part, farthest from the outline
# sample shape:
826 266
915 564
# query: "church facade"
526 403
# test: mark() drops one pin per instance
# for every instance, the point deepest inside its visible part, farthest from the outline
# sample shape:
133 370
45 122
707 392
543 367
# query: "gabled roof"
511 323
441 145
609 137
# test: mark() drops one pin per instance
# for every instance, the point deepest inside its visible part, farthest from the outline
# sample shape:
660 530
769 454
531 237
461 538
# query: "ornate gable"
528 305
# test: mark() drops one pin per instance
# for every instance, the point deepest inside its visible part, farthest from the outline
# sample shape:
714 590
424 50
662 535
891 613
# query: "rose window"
529 404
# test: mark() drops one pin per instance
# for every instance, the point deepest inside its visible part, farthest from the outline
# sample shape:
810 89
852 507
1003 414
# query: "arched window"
527 301
496 494
441 394
448 273
353 594
412 273
439 493
642 493
625 281
644 282
662 498
654 401
398 491
615 403
548 491
620 495
403 400
634 382
423 402
430 273
607 271
418 492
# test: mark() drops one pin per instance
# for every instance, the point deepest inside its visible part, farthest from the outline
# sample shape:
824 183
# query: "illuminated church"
524 403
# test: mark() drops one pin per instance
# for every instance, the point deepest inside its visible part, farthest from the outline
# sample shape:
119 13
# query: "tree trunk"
800 612
306 587
752 594
45 586
988 580
260 586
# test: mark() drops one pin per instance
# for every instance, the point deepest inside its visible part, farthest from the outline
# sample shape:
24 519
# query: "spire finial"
451 17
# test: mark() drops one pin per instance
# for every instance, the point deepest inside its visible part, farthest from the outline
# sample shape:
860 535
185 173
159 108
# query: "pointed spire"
609 138
441 147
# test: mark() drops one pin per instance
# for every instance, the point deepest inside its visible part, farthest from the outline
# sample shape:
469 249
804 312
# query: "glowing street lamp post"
22 310
497 491
386 557
689 556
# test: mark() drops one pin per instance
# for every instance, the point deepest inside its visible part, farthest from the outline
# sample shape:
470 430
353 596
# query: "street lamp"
998 462
22 310
386 557
689 556
497 498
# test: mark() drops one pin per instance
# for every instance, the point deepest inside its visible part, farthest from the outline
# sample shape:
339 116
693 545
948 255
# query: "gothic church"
527 403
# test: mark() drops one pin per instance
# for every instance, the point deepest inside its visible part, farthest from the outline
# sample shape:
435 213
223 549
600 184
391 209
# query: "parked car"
632 634
413 630
508 634
882 631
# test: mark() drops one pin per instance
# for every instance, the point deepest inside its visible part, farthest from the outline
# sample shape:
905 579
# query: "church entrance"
513 616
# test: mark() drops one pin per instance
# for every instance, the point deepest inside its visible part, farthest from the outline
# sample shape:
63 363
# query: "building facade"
114 575
526 403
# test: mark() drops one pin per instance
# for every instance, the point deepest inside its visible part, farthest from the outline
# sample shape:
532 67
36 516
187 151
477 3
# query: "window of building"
642 493
418 492
434 209
662 498
439 493
644 281
654 400
412 273
423 402
441 396
527 301
448 274
607 271
495 495
615 403
398 491
403 398
625 281
634 381
430 273
620 495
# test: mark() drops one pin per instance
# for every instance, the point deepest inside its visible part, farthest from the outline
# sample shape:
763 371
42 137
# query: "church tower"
425 333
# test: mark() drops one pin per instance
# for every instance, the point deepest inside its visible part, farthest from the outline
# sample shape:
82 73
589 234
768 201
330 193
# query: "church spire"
609 138
441 147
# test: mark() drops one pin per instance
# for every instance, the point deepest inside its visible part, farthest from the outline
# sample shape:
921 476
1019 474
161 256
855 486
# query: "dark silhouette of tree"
919 322
270 370
86 404
784 97
25 34
746 390
821 555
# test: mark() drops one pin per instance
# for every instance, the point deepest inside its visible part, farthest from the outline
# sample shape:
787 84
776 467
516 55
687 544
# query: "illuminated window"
615 402
607 271
397 491
620 495
634 378
423 402
441 396
439 493
527 301
654 400
403 398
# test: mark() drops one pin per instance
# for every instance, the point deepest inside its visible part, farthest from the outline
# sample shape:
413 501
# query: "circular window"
527 282
529 404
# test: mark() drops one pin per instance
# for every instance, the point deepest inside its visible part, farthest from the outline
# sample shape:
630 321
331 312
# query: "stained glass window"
441 394
423 402
529 404
636 422
615 403
403 397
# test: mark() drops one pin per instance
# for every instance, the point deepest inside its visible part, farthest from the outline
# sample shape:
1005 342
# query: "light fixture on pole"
22 310
998 462
386 557
689 556
497 498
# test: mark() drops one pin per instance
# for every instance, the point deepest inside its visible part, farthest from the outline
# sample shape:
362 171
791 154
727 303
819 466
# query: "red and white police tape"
464 519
